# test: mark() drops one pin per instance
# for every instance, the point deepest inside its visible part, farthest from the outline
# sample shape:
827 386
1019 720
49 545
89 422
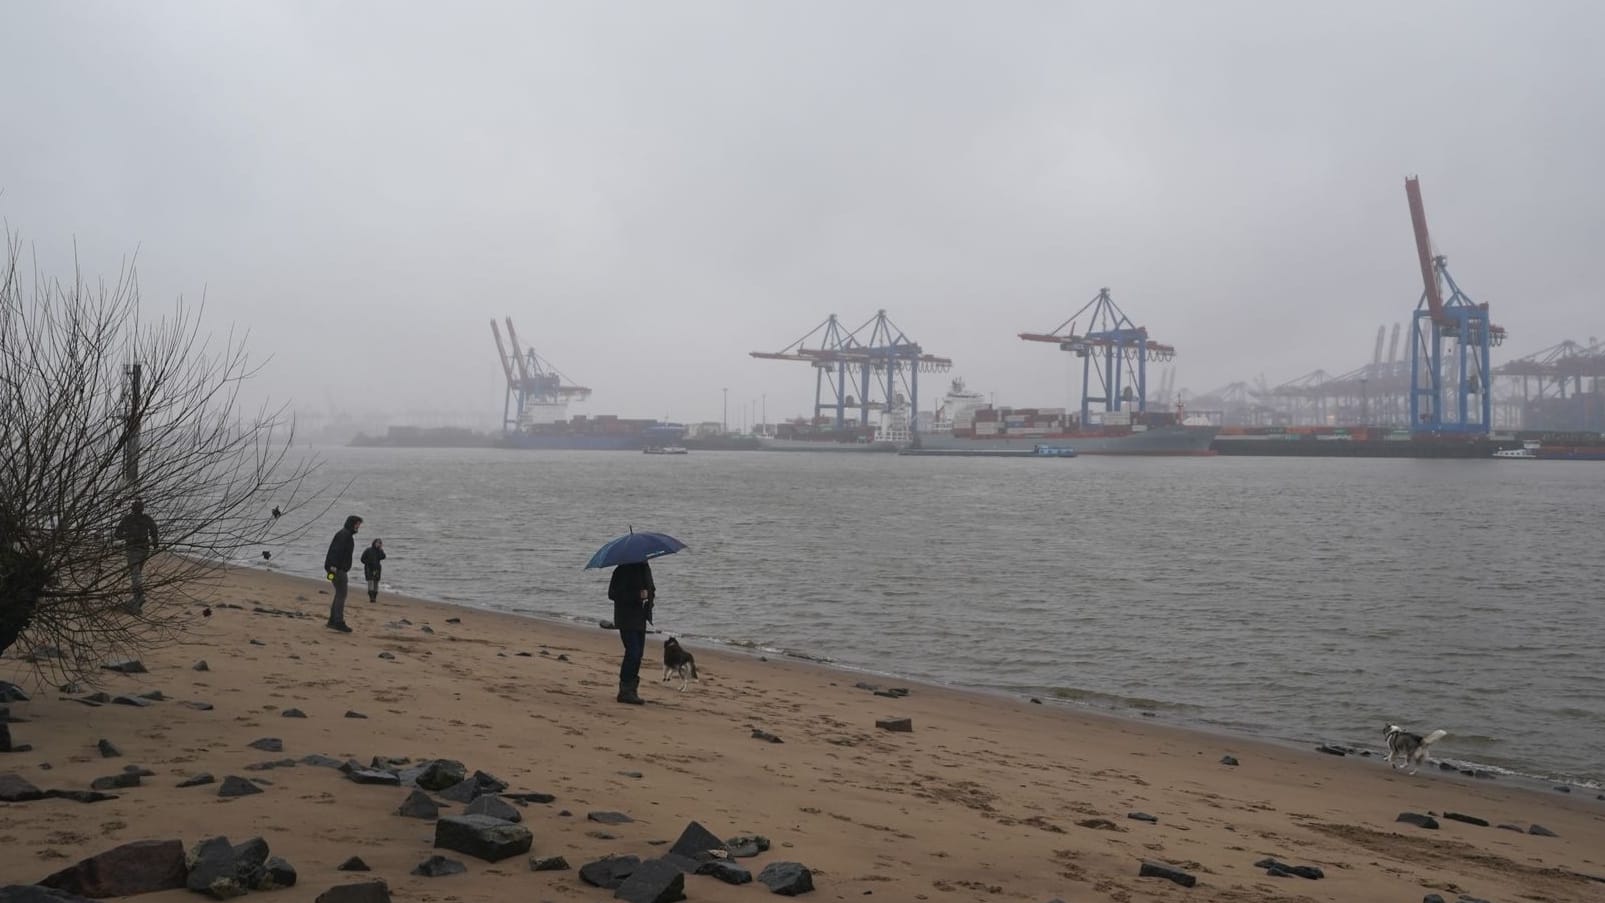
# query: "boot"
627 694
373 597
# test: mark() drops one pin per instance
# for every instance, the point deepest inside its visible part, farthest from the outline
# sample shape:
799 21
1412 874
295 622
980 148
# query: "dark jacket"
341 547
630 611
371 556
138 531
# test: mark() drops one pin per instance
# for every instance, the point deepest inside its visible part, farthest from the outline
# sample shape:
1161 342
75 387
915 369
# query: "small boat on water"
1527 452
665 450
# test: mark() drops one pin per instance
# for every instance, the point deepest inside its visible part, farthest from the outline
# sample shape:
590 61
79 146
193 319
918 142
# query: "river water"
1299 599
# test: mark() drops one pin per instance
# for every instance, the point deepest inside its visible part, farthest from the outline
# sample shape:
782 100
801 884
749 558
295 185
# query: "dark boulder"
529 797
1468 819
897 725
1541 831
80 796
320 760
746 846
33 893
494 806
728 872
1142 816
788 879
419 805
10 692
268 744
108 750
1228 760
276 875
653 881
363 892
213 870
141 867
292 713
234 785
482 837
14 788
696 839
439 867
351 713
354 864
609 818
476 785
250 861
1419 820
134 666
442 773
548 864
115 781
374 776
1329 750
1277 869
1169 873
609 872
765 736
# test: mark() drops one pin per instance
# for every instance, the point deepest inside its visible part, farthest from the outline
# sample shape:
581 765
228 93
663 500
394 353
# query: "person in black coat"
633 593
335 564
371 567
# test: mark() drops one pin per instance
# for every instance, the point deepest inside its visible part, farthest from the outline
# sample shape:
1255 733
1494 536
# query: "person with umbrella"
633 592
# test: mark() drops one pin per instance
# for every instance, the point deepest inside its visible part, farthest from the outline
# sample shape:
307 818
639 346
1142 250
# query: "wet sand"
988 798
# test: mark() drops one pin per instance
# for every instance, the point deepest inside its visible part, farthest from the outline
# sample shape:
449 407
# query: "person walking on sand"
137 530
336 564
633 593
371 556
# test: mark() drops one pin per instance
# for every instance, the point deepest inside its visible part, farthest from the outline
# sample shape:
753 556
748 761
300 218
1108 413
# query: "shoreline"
987 797
1530 780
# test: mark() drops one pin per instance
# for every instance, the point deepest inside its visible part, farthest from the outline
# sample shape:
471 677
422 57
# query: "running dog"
678 662
1409 749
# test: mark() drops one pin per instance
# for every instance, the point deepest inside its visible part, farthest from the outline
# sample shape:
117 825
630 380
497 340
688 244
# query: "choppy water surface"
1297 599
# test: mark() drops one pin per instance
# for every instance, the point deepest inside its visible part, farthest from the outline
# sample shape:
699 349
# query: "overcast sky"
651 190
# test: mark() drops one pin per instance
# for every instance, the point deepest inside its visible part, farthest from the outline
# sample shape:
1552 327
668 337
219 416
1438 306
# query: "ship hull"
1165 440
823 445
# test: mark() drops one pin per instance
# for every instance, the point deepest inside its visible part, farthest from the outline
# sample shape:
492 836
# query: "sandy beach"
987 798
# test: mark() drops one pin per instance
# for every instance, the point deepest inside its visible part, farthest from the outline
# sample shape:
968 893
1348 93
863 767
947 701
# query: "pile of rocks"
214 867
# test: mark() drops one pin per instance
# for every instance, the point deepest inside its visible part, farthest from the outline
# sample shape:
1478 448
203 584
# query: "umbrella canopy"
634 547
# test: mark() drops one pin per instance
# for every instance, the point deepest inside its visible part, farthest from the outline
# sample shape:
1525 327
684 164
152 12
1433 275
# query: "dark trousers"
337 607
634 647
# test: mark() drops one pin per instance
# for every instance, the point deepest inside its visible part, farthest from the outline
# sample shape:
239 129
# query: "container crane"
536 391
875 359
1122 350
1441 387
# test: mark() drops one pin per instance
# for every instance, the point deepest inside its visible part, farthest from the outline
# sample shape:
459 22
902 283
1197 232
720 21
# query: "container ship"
535 405
967 421
822 435
605 432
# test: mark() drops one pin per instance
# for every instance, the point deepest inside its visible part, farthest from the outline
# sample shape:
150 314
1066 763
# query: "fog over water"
653 190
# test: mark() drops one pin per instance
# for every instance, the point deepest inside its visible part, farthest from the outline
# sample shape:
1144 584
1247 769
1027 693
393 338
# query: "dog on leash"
678 662
1409 749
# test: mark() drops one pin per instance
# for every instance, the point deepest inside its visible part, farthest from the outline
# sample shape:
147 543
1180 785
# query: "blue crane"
1121 350
1442 385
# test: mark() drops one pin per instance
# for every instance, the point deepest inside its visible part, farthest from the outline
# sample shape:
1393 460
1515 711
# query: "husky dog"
678 662
1410 749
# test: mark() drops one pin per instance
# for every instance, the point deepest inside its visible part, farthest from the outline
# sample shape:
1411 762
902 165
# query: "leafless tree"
100 407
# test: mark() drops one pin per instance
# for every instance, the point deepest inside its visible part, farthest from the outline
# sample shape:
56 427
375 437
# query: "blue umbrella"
634 547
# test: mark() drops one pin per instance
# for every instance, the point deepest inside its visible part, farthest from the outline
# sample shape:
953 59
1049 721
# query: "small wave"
1093 697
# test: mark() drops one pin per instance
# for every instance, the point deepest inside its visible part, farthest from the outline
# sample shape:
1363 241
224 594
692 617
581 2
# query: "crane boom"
501 351
523 368
1429 277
